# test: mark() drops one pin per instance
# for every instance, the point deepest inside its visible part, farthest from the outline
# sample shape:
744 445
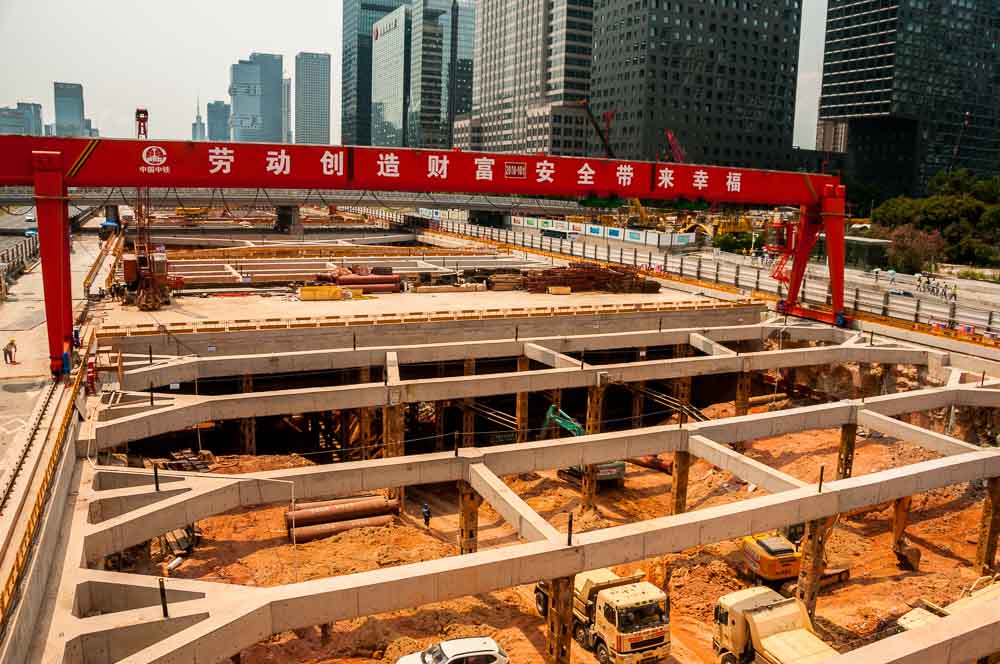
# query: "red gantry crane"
52 164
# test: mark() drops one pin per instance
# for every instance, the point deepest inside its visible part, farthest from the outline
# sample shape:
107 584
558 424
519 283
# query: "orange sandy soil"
249 547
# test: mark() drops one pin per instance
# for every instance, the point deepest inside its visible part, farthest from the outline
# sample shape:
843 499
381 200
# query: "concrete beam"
745 468
392 368
708 346
528 523
550 357
777 423
931 440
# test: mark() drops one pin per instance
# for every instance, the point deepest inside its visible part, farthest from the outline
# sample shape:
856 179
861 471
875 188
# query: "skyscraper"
271 96
198 126
218 121
356 67
246 120
916 82
69 109
721 76
440 69
286 110
312 98
532 64
24 119
391 78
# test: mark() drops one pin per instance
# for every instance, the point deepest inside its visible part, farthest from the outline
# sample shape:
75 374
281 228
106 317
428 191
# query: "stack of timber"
589 277
506 282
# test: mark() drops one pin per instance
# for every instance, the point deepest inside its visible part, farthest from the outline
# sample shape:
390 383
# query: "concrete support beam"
931 440
708 346
679 482
392 368
468 517
989 528
549 357
559 621
248 425
528 523
813 562
521 407
845 455
595 419
743 467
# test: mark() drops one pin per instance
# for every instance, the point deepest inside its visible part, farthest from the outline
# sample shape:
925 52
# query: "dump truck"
757 625
772 559
622 619
986 589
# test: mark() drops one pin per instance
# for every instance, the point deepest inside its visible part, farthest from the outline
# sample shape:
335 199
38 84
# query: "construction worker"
9 352
425 510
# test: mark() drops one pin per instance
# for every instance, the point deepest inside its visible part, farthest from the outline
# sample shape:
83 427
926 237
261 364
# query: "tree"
940 212
955 183
912 249
733 242
988 191
896 212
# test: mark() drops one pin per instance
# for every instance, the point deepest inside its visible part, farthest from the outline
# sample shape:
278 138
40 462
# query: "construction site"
304 433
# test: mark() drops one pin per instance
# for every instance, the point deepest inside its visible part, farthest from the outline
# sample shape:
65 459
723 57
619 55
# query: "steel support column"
679 482
595 415
469 415
559 620
743 393
639 396
523 364
365 419
248 425
53 242
468 517
393 423
989 527
813 562
845 456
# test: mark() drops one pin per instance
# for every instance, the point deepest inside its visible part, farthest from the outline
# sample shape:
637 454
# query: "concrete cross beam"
551 358
528 523
931 440
392 368
708 346
745 468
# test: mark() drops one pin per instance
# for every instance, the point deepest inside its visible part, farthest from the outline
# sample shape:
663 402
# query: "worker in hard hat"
9 352
425 511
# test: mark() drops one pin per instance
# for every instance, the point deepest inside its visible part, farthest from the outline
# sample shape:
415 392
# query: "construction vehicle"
610 472
758 625
773 559
985 589
622 619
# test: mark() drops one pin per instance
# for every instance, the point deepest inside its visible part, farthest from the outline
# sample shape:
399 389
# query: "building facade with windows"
69 109
245 120
312 98
286 110
25 119
218 121
442 52
533 67
720 74
918 84
359 17
391 78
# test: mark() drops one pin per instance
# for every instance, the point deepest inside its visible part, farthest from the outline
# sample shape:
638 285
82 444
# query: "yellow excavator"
773 559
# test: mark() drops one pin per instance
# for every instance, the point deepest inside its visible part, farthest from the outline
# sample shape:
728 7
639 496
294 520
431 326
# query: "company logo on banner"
685 238
614 233
597 231
635 236
531 222
517 221
545 223
516 170
577 227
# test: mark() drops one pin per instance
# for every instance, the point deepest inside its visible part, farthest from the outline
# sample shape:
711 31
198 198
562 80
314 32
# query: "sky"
164 55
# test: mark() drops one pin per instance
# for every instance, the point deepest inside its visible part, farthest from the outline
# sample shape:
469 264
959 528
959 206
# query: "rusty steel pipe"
351 510
321 530
653 462
333 501
367 279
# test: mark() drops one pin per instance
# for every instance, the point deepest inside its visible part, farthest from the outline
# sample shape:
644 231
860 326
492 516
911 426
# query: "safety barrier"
9 593
243 325
14 259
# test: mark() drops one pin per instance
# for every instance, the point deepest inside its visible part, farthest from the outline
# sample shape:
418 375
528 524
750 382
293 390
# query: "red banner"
129 163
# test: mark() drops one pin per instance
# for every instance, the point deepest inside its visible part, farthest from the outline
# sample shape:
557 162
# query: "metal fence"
14 259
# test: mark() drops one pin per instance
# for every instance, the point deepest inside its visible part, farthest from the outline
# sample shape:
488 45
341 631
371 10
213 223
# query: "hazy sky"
163 54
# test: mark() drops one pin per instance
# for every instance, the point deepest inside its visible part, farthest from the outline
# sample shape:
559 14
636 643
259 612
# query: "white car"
459 651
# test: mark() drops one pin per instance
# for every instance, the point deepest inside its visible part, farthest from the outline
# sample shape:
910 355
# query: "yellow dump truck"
986 589
623 619
757 625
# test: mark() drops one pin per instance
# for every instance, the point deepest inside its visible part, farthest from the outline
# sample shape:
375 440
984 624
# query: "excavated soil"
250 547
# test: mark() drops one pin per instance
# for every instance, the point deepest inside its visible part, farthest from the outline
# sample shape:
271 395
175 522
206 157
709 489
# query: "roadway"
975 307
